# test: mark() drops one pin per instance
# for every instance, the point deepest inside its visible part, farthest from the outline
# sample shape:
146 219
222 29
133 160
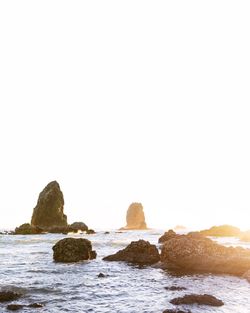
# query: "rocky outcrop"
167 235
139 252
27 229
221 231
49 211
73 250
78 226
135 217
196 253
198 299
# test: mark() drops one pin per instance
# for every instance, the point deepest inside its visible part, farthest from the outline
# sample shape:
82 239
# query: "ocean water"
26 265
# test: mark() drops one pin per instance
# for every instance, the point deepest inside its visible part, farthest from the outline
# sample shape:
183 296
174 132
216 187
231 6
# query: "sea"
27 266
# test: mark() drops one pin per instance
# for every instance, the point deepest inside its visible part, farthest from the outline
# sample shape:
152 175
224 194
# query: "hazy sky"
123 101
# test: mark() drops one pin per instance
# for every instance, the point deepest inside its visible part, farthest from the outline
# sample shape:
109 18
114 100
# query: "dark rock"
221 231
27 229
107 232
167 235
49 211
73 250
175 288
135 217
138 252
78 226
90 231
198 299
36 305
9 296
15 307
196 253
175 311
101 275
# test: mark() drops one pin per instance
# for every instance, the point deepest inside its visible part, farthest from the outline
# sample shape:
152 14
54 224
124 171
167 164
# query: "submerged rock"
101 275
27 229
137 252
221 231
135 217
6 296
175 311
36 305
49 211
196 253
198 299
175 288
73 250
15 307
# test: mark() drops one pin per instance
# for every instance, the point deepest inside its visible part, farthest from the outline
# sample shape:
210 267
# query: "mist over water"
27 266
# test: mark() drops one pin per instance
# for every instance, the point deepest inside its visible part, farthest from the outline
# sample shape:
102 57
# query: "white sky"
124 101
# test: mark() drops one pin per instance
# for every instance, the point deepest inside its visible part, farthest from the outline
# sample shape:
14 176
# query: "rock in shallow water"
175 311
198 299
175 288
15 307
194 252
73 250
137 252
9 296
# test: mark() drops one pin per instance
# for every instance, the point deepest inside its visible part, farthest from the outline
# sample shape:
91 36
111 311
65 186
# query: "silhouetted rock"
101 275
175 288
135 217
194 252
73 250
78 226
90 231
48 212
9 296
167 235
15 307
138 252
27 229
175 311
198 299
221 231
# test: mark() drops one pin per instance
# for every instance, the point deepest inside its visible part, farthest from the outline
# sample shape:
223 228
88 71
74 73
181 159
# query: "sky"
126 101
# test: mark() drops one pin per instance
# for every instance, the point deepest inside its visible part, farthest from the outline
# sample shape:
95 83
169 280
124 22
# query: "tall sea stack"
48 212
135 217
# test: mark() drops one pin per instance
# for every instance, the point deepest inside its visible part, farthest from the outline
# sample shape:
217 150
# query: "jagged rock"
198 299
167 235
48 212
15 307
175 288
138 252
27 229
9 296
196 253
135 217
78 226
221 231
175 311
73 250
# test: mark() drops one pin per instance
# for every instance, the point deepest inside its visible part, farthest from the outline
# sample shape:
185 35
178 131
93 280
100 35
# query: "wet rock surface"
198 299
138 252
6 296
73 250
175 311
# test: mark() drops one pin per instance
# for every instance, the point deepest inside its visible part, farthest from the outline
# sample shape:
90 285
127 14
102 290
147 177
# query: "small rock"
107 232
14 307
101 275
175 288
9 296
175 311
198 299
90 231
35 305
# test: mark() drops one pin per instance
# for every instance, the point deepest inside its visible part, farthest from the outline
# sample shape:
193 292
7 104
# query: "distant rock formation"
135 217
73 250
78 226
27 229
222 231
137 252
48 212
196 253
